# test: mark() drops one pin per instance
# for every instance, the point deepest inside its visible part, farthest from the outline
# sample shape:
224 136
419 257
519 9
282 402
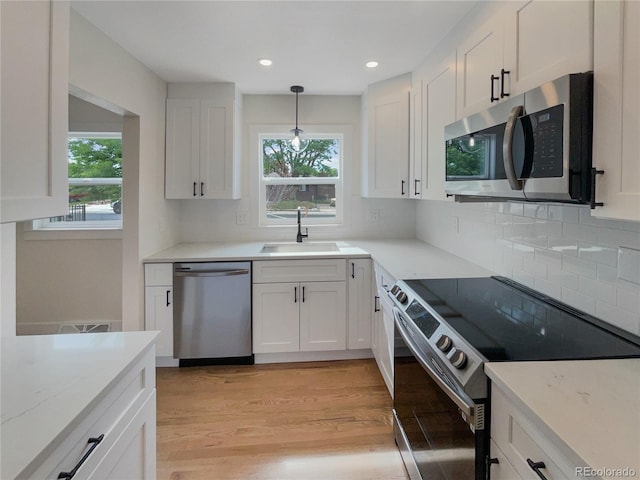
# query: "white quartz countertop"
50 381
593 406
401 258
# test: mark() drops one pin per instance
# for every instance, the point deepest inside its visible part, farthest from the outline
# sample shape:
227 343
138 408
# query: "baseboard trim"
312 356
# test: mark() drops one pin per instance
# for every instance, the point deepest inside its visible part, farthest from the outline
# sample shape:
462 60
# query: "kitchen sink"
305 247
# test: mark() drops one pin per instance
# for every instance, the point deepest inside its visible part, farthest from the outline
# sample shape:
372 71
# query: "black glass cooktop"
506 321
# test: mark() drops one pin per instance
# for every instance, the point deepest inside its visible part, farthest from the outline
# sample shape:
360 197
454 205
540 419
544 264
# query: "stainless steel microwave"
534 146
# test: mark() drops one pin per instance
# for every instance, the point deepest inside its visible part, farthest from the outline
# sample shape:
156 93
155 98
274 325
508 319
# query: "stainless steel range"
445 330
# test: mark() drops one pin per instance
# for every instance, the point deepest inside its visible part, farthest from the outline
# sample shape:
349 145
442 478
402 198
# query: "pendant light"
297 144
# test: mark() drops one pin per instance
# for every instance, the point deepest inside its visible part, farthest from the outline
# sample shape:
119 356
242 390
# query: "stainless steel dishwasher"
212 313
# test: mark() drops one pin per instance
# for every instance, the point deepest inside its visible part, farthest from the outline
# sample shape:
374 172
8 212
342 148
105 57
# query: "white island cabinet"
83 404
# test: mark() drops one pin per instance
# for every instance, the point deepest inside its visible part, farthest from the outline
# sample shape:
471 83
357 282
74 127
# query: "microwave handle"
507 148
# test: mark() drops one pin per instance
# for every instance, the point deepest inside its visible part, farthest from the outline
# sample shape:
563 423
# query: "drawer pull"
376 303
93 440
536 466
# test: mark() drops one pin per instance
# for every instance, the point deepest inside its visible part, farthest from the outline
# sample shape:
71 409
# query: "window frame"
43 228
272 132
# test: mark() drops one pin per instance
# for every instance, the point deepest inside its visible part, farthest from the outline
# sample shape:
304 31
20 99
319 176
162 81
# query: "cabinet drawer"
322 270
157 274
108 417
518 437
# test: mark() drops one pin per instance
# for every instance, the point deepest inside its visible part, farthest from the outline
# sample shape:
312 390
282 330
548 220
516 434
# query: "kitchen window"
310 180
95 185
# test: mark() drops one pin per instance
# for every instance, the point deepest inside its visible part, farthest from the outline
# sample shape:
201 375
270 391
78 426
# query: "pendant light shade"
296 143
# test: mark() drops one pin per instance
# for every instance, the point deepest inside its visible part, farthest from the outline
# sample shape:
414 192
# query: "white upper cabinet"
202 141
616 138
439 107
34 81
416 134
522 46
386 139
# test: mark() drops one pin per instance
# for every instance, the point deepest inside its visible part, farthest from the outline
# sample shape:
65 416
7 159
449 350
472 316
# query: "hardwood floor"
302 421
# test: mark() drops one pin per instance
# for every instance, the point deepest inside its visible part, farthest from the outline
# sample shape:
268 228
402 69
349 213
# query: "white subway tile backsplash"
598 254
629 265
618 238
590 263
585 233
580 267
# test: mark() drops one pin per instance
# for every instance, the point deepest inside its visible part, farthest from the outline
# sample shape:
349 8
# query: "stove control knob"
458 359
395 289
444 343
402 297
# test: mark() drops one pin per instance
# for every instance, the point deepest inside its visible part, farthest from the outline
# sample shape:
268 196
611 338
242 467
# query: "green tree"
463 160
312 162
94 158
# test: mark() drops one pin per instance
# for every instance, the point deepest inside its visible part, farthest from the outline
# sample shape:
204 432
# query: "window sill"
73 234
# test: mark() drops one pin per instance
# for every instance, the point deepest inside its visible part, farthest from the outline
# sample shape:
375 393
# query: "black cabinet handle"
536 466
376 303
202 189
402 192
353 270
302 294
415 186
503 72
95 441
295 294
594 173
194 189
168 293
493 79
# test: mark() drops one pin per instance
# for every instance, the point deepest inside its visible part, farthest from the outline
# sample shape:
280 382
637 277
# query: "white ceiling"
321 45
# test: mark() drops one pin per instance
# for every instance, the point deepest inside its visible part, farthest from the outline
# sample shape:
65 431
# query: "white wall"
215 220
103 73
559 250
7 279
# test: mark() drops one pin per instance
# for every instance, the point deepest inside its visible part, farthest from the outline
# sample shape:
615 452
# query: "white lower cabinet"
383 326
360 303
116 439
158 305
304 315
520 443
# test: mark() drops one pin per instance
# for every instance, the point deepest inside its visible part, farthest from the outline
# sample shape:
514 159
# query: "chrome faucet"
301 235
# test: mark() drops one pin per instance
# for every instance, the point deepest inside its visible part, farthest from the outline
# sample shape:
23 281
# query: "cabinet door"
158 315
545 40
216 149
385 347
133 456
34 68
479 57
276 324
417 178
360 303
439 93
323 316
182 149
616 104
502 470
388 138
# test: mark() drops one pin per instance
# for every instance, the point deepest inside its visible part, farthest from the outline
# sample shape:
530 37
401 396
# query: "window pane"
316 201
320 159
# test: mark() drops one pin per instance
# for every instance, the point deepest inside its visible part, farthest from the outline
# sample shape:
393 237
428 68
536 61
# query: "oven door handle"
468 408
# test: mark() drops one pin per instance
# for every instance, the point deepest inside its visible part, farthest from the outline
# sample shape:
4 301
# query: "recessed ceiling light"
372 64
265 62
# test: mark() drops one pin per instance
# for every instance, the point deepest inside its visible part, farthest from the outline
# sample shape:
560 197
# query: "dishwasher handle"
187 272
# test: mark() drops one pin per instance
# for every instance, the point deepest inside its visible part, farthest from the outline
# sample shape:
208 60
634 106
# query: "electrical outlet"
373 215
242 217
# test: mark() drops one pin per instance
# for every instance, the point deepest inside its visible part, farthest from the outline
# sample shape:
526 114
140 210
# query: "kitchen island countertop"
50 381
591 406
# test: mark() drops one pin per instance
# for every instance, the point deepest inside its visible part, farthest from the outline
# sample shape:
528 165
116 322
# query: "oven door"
434 439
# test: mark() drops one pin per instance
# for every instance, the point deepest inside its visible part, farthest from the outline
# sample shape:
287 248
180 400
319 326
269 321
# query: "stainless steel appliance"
212 313
446 329
533 146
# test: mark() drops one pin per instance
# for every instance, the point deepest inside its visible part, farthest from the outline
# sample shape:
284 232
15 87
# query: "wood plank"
316 420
